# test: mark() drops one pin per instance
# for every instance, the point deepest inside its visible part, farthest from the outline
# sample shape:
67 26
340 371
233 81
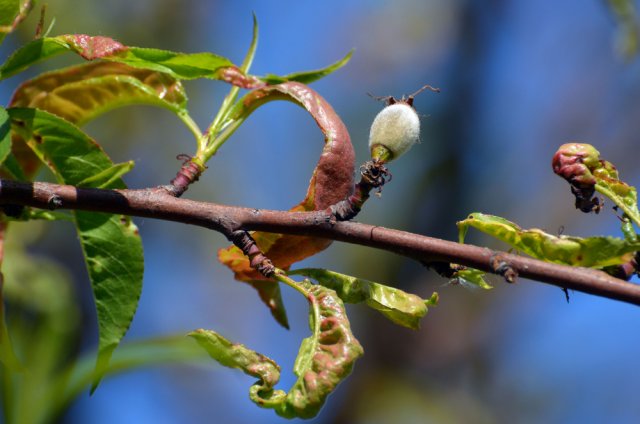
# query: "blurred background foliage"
518 79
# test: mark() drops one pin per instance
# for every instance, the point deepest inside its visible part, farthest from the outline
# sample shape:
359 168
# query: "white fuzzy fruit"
397 127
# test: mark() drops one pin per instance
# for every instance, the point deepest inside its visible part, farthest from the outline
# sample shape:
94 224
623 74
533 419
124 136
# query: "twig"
158 203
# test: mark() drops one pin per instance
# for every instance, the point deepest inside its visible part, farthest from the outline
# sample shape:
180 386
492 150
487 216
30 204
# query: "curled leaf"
331 181
80 93
403 308
593 252
325 358
249 361
581 166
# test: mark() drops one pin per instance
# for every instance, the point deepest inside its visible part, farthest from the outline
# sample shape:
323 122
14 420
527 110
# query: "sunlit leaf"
594 252
307 77
81 93
176 65
403 308
111 243
332 181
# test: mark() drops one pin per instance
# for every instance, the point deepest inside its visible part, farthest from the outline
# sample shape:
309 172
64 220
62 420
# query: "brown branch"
159 204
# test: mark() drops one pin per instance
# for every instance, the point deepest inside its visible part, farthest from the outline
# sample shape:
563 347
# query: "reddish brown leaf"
331 181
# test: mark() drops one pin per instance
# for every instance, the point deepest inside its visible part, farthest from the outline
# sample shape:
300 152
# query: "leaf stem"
282 277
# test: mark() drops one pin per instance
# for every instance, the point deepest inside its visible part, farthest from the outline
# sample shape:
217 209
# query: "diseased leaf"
81 93
307 77
324 359
5 135
250 362
403 308
111 243
593 252
581 166
176 65
332 181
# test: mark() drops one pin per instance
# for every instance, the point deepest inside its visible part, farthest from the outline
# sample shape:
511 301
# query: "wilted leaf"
111 244
332 181
594 252
80 93
403 308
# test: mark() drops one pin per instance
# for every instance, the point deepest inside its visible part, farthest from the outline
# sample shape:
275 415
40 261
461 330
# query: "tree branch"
159 204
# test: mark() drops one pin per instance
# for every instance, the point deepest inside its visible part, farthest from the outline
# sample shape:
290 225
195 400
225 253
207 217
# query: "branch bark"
159 204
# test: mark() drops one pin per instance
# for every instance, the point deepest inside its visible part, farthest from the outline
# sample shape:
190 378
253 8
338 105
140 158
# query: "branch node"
258 261
503 268
373 175
54 201
188 174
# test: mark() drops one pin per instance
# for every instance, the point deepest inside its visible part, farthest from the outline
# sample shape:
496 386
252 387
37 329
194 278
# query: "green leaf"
12 167
111 243
8 357
5 134
108 177
628 37
129 356
622 194
470 277
9 9
593 252
307 77
176 65
402 308
81 93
